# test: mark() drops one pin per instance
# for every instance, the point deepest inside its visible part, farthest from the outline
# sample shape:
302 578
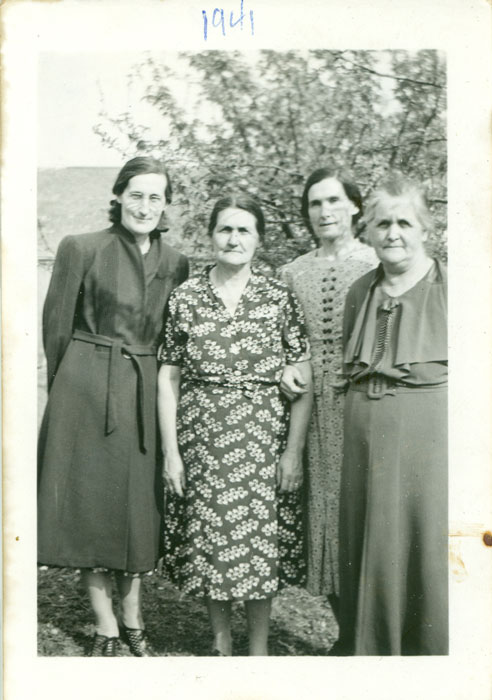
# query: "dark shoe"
216 652
340 649
137 640
103 646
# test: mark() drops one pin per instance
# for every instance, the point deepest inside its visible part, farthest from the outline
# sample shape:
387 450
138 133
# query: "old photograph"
284 178
235 439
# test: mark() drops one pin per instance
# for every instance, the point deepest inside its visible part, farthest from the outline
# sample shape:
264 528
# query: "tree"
260 123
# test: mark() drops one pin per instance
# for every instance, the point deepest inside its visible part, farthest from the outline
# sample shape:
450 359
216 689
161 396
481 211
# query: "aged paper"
463 32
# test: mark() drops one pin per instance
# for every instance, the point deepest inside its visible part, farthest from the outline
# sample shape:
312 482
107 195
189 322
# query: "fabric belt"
248 388
119 349
377 385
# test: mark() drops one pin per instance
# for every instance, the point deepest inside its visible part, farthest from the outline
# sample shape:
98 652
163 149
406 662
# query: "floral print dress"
233 536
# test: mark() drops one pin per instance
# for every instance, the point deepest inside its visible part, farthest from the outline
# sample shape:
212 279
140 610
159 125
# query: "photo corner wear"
99 488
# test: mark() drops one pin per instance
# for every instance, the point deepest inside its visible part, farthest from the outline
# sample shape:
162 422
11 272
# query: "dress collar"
118 228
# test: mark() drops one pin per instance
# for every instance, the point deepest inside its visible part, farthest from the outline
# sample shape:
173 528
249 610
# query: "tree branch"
387 75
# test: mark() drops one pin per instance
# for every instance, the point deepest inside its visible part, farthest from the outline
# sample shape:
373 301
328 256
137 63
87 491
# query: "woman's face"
235 237
330 210
395 232
142 203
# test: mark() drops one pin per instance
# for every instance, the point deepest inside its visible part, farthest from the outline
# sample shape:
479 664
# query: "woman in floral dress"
331 204
232 459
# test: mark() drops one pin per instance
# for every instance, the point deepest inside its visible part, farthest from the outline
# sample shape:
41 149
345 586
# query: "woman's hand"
292 383
173 474
289 470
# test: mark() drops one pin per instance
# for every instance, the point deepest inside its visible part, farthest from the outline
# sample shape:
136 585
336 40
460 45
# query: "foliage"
260 123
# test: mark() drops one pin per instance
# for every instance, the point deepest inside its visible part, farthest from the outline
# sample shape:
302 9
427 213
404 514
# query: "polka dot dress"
321 286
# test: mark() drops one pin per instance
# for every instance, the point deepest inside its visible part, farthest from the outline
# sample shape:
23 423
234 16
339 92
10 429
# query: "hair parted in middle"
238 201
395 184
350 187
141 165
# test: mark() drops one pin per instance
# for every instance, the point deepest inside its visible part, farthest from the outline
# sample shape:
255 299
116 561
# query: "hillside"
71 200
76 200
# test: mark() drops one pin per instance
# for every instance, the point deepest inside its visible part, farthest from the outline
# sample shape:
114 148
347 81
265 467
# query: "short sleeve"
294 336
171 351
284 274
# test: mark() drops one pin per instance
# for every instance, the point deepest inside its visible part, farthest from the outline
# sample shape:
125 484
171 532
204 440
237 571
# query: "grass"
302 625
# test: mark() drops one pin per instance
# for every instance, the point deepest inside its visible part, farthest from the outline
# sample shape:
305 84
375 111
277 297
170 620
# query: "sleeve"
285 276
349 316
172 349
294 335
61 303
180 275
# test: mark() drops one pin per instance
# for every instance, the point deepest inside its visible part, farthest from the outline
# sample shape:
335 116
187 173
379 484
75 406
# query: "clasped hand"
292 383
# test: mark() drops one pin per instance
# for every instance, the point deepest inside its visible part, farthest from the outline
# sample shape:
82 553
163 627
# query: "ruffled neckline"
421 331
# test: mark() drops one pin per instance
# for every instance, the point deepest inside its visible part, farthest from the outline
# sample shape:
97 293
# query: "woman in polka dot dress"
232 457
331 204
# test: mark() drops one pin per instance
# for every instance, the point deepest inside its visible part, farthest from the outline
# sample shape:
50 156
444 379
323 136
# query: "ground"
302 625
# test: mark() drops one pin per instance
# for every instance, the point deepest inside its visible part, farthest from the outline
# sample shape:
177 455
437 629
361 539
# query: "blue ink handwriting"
218 20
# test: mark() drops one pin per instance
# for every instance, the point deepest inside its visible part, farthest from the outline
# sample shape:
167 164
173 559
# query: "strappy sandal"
103 646
137 640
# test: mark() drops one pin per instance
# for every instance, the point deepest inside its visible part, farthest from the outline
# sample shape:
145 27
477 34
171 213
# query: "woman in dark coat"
99 486
393 513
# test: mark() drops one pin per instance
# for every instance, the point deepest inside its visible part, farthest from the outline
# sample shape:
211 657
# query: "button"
325 279
323 289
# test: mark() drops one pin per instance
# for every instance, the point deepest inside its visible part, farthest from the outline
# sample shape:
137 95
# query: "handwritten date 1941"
218 20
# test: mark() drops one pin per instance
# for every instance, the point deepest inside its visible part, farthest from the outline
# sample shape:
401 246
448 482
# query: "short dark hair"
238 201
396 184
141 165
351 190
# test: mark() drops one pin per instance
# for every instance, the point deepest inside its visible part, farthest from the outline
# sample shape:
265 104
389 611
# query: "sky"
73 87
70 88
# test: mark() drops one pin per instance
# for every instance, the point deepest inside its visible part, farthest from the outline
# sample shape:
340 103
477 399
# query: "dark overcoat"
99 488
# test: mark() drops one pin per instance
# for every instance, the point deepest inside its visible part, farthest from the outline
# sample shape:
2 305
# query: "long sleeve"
349 316
61 303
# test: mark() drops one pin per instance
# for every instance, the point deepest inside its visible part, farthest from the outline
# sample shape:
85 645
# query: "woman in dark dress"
394 494
232 458
99 495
